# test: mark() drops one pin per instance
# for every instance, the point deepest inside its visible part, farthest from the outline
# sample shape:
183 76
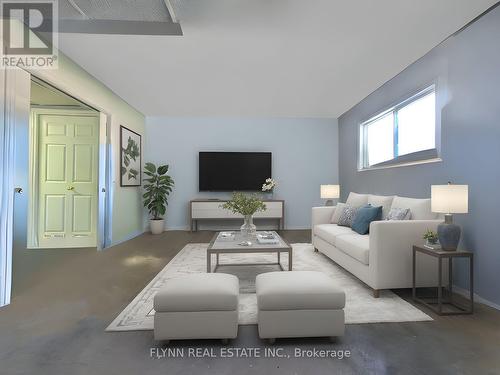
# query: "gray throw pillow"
347 216
336 214
399 214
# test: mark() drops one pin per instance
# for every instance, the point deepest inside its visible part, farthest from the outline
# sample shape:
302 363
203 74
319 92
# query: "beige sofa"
381 259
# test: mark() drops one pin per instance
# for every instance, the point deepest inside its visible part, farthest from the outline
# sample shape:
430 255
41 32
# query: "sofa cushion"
420 208
347 216
355 245
337 212
298 290
399 214
199 292
329 232
381 200
364 216
357 200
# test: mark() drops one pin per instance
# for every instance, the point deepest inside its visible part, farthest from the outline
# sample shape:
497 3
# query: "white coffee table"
231 246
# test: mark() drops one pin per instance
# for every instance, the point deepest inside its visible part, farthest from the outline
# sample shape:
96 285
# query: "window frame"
417 157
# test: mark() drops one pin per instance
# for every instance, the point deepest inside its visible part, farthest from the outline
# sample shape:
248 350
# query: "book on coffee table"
267 238
230 236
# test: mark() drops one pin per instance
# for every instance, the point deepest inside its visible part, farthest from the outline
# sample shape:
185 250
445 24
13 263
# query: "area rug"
361 307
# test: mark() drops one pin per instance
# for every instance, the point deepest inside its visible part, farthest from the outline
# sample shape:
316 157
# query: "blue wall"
305 155
467 68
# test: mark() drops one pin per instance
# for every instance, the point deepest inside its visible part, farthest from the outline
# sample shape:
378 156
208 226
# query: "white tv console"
210 209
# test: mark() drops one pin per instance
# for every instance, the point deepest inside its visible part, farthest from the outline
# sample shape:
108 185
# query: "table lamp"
330 192
449 199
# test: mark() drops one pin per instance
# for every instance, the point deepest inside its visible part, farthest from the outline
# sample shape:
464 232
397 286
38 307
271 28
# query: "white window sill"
403 164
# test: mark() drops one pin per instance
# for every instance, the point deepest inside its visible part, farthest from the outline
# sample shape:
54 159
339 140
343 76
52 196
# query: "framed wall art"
130 157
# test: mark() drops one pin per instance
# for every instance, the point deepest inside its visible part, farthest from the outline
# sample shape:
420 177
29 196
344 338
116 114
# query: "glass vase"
248 229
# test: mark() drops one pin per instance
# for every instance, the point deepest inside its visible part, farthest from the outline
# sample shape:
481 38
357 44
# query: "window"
403 133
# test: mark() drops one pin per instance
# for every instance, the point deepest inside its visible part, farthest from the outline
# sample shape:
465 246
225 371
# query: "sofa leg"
225 341
272 341
376 293
316 250
333 339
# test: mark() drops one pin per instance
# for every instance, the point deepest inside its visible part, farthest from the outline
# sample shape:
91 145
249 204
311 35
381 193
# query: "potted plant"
431 238
158 185
246 205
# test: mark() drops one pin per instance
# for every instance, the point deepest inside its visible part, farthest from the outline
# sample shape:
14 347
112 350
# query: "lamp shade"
450 199
330 191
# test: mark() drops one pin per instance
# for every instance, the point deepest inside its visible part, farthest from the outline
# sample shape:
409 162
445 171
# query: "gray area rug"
361 307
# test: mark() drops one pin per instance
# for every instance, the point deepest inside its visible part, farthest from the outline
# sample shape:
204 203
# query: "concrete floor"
56 322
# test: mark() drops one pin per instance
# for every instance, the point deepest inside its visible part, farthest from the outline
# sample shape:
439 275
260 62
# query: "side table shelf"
437 304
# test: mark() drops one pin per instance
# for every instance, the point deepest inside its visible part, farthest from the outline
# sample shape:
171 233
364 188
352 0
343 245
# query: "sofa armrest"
322 215
391 248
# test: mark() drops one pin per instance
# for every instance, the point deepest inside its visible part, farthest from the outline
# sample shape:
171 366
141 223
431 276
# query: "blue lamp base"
449 234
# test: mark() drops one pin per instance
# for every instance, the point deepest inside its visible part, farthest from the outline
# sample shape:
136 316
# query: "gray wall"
305 155
467 68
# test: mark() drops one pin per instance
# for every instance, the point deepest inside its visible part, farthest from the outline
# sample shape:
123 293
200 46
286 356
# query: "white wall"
305 155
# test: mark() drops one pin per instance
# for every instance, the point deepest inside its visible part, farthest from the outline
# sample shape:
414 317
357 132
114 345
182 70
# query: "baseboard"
479 299
184 228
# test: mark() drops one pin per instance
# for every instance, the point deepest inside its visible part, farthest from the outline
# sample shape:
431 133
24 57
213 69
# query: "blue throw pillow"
363 218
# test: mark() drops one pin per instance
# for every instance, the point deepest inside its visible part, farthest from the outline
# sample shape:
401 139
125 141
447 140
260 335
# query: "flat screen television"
233 171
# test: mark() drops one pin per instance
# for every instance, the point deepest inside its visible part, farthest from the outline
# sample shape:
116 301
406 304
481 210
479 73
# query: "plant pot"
157 226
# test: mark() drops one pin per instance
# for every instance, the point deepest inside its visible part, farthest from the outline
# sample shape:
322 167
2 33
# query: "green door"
68 180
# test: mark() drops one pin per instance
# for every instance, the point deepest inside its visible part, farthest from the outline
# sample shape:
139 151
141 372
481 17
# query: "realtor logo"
29 34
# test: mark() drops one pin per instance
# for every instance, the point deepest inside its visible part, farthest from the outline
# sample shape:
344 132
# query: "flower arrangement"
245 205
269 185
431 237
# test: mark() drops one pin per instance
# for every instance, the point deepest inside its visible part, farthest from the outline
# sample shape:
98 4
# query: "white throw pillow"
420 208
357 200
336 214
381 200
399 214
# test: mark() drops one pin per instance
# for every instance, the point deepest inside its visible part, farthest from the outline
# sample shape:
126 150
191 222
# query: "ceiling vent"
128 17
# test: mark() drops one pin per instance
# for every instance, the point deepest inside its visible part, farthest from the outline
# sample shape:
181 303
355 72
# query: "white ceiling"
266 58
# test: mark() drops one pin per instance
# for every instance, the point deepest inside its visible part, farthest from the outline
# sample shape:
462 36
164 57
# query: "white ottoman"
197 306
299 304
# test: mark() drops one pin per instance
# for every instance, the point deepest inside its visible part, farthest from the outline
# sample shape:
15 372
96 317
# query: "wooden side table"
434 304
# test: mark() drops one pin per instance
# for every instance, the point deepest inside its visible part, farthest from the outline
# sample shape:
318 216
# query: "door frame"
34 152
14 102
106 186
14 106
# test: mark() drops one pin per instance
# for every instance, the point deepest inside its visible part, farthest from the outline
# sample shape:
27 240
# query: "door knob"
18 190
70 188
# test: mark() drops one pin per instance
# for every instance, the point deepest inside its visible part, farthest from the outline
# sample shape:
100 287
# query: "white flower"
269 185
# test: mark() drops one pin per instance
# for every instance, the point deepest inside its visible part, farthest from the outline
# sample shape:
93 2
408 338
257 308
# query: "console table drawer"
208 210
